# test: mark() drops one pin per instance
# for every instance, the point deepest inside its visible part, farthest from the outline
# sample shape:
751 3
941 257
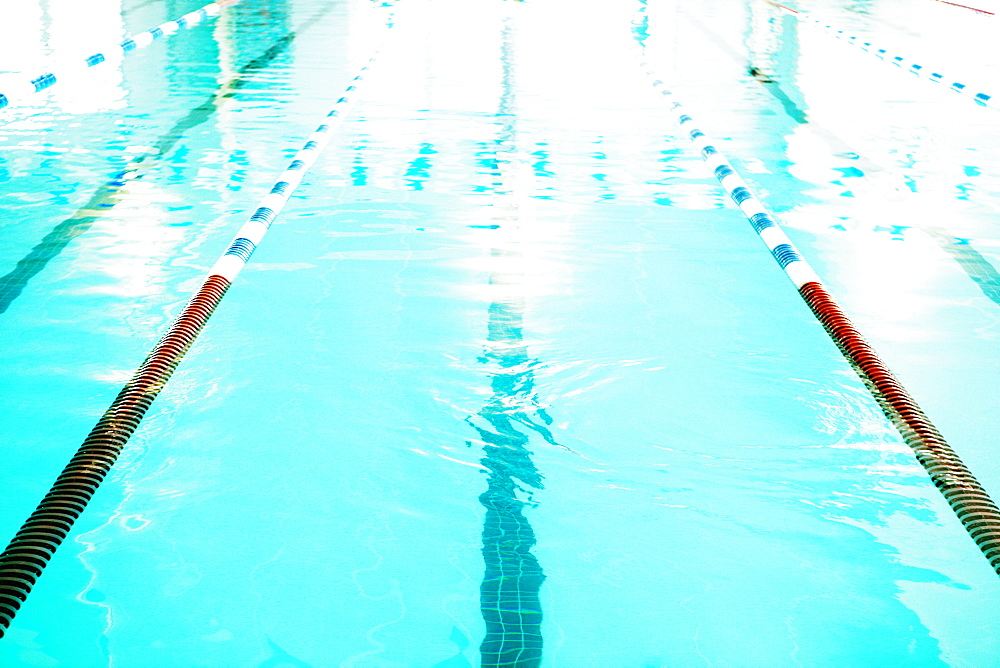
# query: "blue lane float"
34 545
19 93
971 503
981 98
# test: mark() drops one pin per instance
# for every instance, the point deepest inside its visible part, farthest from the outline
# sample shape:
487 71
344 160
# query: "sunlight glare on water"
511 381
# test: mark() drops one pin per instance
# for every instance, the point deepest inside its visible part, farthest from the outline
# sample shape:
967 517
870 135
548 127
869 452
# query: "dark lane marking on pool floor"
20 90
512 578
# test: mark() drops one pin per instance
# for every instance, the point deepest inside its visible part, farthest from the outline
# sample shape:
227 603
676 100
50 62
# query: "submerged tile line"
22 92
35 543
107 195
970 502
509 594
512 577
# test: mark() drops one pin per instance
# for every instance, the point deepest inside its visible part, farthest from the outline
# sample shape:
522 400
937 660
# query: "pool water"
510 381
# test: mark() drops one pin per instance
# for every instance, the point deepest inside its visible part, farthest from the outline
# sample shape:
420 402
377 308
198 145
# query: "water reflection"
359 170
978 268
419 169
101 88
509 594
773 47
640 25
110 194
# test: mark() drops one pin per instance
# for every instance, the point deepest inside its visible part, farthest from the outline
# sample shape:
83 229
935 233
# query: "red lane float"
24 559
973 506
964 494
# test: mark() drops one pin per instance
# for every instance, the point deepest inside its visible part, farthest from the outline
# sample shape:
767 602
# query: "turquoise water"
508 326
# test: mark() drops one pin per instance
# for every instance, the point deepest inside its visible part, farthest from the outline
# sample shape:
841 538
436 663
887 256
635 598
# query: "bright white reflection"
130 245
22 45
38 38
78 30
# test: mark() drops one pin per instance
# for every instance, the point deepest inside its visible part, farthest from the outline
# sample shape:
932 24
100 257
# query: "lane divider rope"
980 98
975 509
19 92
22 562
955 4
109 194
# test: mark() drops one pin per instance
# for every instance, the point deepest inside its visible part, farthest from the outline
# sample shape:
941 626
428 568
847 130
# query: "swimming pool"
508 340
